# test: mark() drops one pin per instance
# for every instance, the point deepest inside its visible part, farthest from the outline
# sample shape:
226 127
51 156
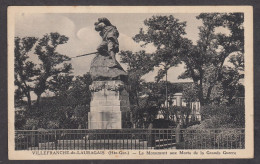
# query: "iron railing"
89 139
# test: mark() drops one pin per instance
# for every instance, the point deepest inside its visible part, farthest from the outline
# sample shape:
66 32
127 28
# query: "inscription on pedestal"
109 107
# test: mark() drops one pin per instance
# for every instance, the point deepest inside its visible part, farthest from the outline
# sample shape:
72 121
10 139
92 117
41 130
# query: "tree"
189 93
60 83
238 62
155 98
223 116
156 91
25 70
230 85
138 64
165 33
145 113
79 93
51 62
75 101
181 113
69 106
205 60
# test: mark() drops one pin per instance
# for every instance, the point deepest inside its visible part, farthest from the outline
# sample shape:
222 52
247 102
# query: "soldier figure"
104 66
109 45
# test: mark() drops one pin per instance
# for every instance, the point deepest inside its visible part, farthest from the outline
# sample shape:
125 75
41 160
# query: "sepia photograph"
130 82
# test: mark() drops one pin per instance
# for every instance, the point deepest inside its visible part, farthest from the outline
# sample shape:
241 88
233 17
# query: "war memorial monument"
109 107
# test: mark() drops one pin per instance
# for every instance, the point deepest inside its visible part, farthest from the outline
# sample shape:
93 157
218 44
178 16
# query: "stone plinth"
109 107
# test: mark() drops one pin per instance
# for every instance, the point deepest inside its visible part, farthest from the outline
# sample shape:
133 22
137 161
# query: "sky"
83 38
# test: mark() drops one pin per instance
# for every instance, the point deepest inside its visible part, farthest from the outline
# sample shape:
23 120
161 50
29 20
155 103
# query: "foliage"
60 83
218 128
66 109
138 64
152 98
48 75
20 120
216 116
238 61
69 107
53 124
52 114
165 33
78 92
31 124
144 114
51 73
204 61
81 115
25 70
181 113
230 85
51 60
190 93
155 91
196 137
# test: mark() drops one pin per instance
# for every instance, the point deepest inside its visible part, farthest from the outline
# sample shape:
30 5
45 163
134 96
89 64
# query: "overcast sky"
84 39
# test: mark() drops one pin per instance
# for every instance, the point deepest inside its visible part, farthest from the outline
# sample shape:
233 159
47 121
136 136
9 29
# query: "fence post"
178 134
56 140
34 138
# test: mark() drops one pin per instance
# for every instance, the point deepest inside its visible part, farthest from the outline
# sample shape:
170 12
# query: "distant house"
177 100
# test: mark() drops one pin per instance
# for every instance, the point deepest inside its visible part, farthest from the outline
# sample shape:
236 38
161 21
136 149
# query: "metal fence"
87 139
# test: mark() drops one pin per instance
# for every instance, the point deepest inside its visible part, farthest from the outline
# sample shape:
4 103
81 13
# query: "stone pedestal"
109 107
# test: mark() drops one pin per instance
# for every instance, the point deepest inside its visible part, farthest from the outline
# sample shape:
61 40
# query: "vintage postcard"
121 82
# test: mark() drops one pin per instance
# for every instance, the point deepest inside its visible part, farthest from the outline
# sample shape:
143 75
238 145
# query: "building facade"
178 100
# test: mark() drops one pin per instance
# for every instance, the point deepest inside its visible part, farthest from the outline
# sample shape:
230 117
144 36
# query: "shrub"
218 129
52 124
31 123
223 116
20 121
196 137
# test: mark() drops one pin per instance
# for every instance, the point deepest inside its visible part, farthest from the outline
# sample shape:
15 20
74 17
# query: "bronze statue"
104 66
109 35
